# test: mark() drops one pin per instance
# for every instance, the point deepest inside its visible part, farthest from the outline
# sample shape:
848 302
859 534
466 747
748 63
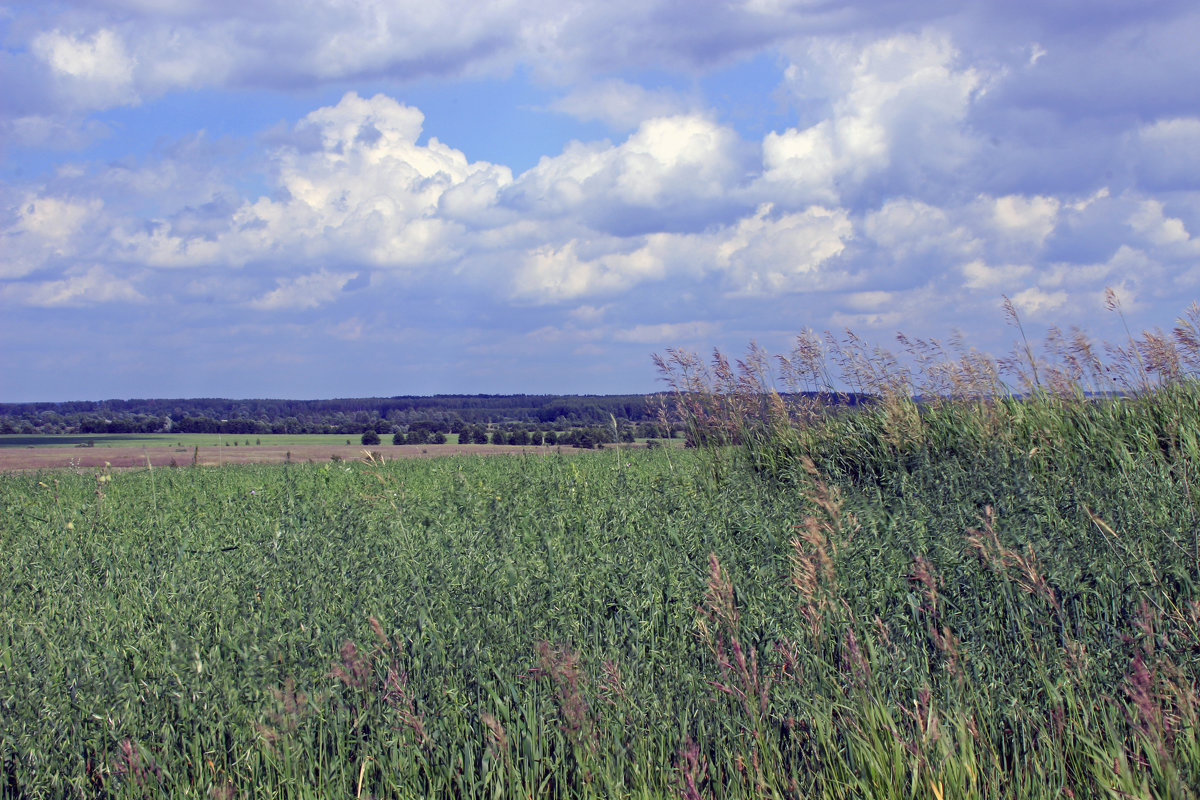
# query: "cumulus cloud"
1169 233
154 245
155 47
671 173
305 291
999 279
553 274
46 229
365 193
92 286
895 114
93 71
1029 219
924 158
769 254
1037 303
913 233
761 255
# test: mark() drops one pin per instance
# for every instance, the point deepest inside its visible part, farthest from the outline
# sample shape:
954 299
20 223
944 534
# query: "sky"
350 198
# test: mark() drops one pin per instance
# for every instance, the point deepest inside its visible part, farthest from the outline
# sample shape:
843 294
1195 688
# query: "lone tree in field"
370 437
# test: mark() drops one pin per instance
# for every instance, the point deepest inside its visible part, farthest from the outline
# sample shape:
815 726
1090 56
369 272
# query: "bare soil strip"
35 458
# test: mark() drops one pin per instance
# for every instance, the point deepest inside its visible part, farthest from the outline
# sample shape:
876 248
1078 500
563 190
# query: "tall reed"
858 410
1007 675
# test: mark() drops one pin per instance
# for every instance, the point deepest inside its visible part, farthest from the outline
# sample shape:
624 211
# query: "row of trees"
423 431
584 437
445 413
596 434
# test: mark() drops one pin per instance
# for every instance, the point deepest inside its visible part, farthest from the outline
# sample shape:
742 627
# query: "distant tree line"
586 436
420 418
583 421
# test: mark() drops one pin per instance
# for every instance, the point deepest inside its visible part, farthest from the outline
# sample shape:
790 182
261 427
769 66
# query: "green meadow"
981 596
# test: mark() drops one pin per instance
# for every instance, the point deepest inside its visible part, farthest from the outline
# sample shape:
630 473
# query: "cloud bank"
928 160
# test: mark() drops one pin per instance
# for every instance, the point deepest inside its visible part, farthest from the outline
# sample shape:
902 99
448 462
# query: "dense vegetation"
978 597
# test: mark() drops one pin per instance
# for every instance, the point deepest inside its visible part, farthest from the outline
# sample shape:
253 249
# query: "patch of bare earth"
14 459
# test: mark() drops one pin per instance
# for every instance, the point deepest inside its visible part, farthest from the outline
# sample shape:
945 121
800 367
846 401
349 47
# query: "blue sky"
330 199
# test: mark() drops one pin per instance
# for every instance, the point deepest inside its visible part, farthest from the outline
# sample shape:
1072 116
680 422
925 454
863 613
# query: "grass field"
621 624
986 597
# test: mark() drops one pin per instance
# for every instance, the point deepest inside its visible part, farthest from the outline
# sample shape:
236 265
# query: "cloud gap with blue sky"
319 199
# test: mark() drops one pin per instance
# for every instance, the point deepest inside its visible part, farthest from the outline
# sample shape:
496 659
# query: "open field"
122 457
963 623
981 595
156 440
123 451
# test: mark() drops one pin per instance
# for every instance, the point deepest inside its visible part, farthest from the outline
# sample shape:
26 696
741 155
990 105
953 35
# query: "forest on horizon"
444 413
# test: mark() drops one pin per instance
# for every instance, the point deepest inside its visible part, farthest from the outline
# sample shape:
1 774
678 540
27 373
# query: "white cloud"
1169 152
896 106
998 280
45 228
763 254
95 71
164 46
369 194
1174 138
912 231
1037 303
622 105
305 291
870 299
155 246
552 274
669 164
589 314
1027 218
667 334
915 161
906 173
79 288
768 254
54 219
1160 230
803 164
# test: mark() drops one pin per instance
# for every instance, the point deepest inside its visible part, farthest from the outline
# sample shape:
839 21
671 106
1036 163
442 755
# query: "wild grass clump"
860 411
1043 637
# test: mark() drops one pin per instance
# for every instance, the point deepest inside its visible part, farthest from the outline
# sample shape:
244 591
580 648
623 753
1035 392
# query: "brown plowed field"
15 458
